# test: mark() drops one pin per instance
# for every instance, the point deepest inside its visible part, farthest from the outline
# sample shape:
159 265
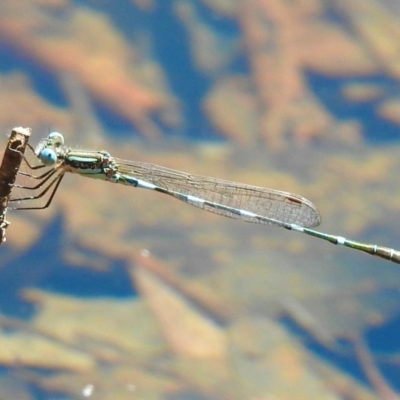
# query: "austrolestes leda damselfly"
230 199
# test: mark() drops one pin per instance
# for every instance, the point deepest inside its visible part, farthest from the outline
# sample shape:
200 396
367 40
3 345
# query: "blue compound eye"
48 156
55 138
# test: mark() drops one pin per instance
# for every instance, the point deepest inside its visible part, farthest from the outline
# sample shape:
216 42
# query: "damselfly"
230 199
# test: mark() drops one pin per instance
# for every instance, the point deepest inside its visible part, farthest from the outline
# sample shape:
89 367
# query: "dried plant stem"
8 172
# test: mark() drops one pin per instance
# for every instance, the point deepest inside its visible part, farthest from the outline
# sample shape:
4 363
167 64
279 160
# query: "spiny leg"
55 182
34 176
32 167
47 175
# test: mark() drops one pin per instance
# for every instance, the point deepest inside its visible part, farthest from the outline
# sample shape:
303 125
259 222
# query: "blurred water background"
116 293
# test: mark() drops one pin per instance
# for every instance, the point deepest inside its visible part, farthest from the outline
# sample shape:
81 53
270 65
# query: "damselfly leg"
53 184
44 182
31 167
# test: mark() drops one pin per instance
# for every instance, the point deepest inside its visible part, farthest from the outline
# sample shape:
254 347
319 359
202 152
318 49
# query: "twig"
8 172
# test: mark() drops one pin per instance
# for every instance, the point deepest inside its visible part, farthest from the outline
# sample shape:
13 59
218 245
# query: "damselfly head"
48 148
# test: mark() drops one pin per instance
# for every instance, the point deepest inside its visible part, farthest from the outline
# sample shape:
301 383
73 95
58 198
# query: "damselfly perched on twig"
230 199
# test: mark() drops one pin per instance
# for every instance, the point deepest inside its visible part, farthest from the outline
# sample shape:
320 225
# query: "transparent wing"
270 203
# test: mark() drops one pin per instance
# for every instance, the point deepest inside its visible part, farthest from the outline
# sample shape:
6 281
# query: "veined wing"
283 206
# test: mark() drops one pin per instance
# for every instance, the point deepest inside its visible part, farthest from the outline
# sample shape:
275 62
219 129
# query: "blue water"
43 266
375 129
